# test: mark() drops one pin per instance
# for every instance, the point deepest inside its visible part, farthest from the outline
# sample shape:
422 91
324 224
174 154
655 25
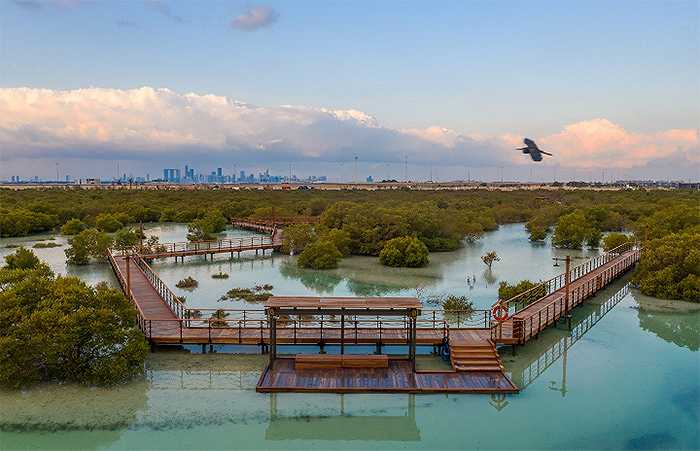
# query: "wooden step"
471 353
479 368
476 362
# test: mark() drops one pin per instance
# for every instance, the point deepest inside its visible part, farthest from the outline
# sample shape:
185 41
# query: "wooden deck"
477 367
399 377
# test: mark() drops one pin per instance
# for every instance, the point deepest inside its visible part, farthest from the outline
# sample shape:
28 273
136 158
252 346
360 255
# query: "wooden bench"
327 361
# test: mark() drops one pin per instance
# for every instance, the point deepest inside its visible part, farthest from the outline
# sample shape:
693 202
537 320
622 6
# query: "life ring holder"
499 312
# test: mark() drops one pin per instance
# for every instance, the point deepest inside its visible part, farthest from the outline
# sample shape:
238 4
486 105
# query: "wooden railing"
544 289
140 317
257 331
226 245
170 298
536 320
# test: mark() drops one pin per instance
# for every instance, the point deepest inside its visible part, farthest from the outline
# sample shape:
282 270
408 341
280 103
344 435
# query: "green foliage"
670 266
220 275
218 319
126 238
187 282
202 229
507 291
88 244
296 237
73 227
537 229
454 303
106 222
22 222
573 230
405 251
258 293
320 254
60 329
340 238
48 245
613 240
490 258
22 259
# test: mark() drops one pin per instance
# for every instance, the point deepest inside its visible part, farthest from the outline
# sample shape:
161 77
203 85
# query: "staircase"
480 356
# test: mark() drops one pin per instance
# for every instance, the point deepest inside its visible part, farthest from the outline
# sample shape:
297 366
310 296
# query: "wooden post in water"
567 282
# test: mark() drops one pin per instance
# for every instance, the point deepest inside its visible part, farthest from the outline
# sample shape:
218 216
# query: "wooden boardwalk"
165 320
399 377
234 245
530 319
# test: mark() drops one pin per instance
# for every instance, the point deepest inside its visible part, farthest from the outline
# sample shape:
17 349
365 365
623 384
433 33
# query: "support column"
342 334
273 336
567 282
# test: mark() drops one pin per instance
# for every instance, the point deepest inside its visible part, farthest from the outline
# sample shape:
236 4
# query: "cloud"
255 18
35 5
163 8
160 124
28 4
125 23
601 143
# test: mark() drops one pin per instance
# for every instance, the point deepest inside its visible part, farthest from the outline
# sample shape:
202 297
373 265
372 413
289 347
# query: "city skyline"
266 85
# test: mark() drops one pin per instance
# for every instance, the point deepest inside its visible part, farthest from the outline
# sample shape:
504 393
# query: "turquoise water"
631 380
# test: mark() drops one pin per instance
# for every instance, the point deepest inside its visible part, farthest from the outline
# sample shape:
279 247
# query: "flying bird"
534 151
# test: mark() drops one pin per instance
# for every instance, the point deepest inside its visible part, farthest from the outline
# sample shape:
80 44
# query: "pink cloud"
602 143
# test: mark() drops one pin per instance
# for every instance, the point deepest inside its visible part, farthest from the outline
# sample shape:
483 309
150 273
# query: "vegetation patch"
321 254
42 245
258 293
98 341
73 227
219 275
490 258
187 283
452 303
406 251
88 245
508 291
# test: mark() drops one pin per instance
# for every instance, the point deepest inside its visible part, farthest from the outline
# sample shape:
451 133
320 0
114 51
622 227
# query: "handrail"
225 245
170 298
522 300
140 316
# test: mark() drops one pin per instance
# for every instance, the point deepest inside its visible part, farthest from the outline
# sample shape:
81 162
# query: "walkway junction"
469 339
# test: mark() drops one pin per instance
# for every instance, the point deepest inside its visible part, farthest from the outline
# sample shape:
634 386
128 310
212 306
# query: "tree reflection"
321 282
682 329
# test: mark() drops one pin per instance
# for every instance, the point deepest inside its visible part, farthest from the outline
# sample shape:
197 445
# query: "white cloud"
160 124
255 18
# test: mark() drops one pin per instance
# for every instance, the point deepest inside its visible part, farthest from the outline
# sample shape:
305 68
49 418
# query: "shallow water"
623 378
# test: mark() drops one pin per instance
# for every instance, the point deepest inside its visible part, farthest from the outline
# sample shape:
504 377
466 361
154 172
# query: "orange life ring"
499 312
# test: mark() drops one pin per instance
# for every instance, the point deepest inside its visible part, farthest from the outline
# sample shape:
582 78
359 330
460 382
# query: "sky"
444 90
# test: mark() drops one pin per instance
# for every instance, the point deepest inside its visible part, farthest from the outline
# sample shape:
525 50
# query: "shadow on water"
344 425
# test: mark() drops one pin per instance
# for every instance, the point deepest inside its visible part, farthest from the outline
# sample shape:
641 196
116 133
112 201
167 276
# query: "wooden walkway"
234 245
529 320
477 366
399 377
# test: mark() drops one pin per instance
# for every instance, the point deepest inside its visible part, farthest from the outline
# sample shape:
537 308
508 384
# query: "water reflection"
346 424
680 329
318 281
540 354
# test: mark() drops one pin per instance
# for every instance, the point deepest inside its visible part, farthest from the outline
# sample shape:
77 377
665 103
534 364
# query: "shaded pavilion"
343 307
